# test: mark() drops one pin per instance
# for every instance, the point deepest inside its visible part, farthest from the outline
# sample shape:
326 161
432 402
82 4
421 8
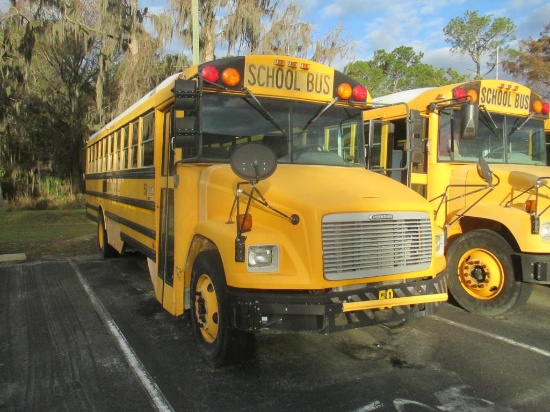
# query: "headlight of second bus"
439 244
263 258
545 230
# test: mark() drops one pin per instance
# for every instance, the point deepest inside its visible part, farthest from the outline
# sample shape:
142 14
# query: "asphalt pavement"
84 334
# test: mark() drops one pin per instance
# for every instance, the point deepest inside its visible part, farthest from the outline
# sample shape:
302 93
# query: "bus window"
133 144
147 140
448 148
116 148
124 139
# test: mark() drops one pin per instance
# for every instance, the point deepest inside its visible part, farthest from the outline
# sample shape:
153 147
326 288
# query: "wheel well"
101 213
467 224
198 244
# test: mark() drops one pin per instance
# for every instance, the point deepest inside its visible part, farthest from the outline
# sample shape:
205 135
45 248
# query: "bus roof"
165 83
399 97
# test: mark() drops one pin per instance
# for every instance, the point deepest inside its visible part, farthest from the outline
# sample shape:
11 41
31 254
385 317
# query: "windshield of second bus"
297 131
499 139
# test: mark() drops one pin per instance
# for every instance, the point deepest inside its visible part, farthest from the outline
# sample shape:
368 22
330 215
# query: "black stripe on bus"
142 204
140 247
90 206
90 215
150 233
143 173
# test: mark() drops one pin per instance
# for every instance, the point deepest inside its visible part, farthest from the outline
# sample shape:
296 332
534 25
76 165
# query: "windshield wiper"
317 114
263 111
492 124
516 128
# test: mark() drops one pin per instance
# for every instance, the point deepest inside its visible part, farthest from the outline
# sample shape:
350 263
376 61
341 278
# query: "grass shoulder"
45 233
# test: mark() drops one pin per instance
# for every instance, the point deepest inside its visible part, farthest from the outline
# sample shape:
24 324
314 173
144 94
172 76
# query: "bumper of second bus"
256 311
535 268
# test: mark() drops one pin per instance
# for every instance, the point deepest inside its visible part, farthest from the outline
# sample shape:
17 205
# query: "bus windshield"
500 139
297 131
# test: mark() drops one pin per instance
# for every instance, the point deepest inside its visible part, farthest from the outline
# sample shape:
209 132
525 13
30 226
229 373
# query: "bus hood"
295 189
519 177
509 181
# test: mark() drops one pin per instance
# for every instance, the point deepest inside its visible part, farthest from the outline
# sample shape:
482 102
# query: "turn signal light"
531 206
244 222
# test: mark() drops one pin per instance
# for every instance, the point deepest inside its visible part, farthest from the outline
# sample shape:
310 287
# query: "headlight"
545 230
439 244
263 258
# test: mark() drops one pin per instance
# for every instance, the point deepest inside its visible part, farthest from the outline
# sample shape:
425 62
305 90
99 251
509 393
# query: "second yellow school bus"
243 182
547 131
497 226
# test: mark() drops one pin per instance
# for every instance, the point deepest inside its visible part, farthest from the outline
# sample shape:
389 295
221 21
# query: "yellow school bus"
496 222
243 182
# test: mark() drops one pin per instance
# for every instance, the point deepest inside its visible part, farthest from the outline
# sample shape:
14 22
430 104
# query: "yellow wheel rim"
206 308
481 274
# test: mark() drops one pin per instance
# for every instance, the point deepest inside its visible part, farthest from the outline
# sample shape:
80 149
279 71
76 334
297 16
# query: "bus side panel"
186 215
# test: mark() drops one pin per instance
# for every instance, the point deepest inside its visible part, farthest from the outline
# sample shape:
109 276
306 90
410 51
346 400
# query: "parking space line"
157 397
493 336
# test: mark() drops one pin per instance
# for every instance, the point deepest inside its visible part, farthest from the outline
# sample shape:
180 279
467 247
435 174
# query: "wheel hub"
201 309
476 274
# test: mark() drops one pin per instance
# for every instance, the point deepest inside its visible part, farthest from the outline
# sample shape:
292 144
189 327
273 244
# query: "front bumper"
535 268
255 311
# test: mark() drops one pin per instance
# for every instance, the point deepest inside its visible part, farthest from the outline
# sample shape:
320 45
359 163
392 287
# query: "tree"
532 62
58 60
244 24
398 70
288 34
395 64
479 37
253 26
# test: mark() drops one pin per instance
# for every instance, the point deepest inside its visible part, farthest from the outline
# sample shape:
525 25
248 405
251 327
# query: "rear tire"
218 342
481 274
105 249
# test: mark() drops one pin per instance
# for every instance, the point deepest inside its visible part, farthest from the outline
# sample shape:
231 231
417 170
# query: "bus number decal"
282 78
385 294
504 98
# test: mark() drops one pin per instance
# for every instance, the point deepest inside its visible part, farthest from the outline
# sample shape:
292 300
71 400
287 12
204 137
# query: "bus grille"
357 245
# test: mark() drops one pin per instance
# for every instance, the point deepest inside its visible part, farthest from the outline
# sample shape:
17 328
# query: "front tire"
480 274
218 342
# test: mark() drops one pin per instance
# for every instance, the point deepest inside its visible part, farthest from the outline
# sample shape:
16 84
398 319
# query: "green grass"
40 233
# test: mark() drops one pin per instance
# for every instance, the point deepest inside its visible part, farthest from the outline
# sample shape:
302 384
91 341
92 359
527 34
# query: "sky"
387 24
371 25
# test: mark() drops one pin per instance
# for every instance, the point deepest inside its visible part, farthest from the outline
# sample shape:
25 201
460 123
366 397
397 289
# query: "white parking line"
159 401
493 336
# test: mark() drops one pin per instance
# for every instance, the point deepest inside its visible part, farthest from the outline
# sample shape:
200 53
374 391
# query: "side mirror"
253 162
468 121
483 170
186 114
